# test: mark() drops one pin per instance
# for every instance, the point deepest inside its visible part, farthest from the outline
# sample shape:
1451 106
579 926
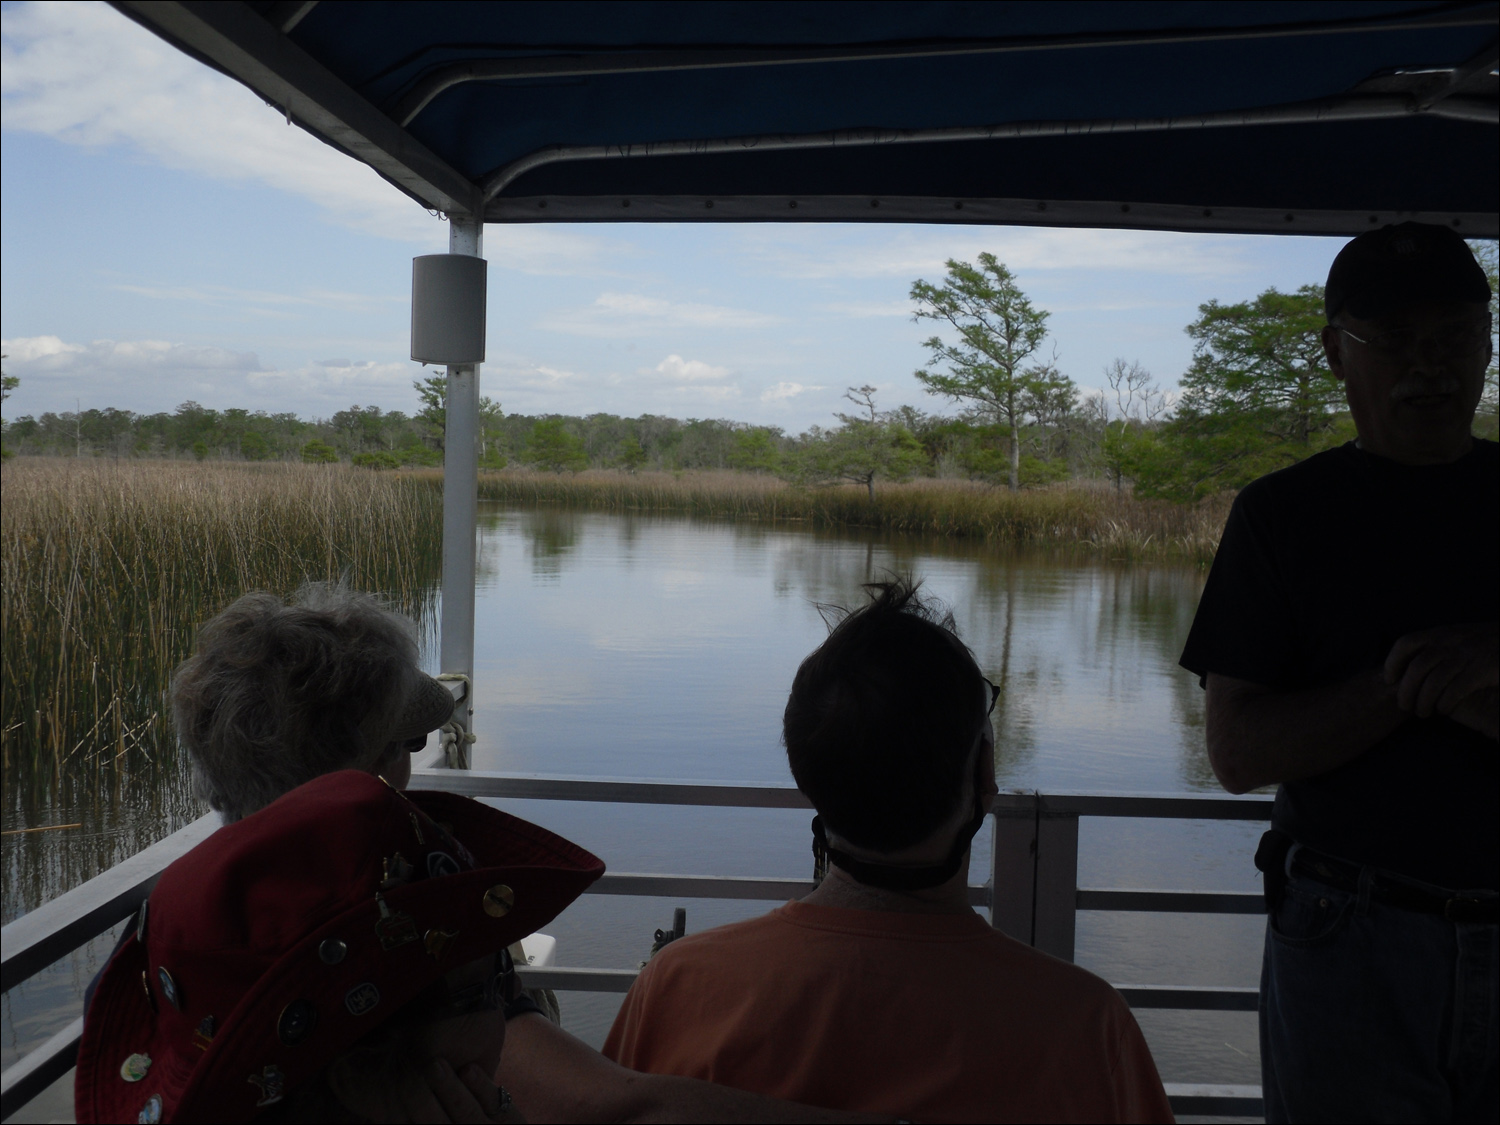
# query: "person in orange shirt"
882 991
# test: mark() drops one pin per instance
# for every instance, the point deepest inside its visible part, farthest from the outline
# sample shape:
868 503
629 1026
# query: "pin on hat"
268 967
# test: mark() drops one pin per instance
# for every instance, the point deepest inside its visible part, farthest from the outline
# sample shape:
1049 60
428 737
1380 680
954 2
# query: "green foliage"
493 460
253 447
419 454
755 450
318 452
1257 397
432 390
998 331
631 456
200 450
432 419
553 448
1035 471
862 449
380 459
1138 403
8 384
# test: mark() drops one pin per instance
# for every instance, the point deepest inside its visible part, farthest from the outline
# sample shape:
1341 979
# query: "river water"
662 648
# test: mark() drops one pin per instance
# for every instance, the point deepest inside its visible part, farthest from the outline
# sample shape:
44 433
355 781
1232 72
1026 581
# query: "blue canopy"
1252 116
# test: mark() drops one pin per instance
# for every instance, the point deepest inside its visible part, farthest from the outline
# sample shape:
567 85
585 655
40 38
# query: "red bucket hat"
282 939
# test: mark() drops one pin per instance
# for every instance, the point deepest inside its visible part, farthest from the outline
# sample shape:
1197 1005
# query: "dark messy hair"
883 718
277 694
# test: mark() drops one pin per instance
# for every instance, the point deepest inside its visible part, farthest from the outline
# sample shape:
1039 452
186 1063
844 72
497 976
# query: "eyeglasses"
1451 341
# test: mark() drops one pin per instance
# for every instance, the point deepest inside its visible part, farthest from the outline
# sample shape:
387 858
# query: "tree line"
1256 396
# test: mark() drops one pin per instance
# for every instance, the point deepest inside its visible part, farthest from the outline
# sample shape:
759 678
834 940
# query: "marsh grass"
1099 521
108 569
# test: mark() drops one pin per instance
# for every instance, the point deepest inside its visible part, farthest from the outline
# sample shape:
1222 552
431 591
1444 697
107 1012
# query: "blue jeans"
1369 1012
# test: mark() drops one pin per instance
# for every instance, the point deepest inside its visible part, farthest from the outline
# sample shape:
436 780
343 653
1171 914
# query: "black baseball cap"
1384 270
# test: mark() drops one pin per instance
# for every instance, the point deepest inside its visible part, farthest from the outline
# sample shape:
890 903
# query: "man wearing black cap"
1347 640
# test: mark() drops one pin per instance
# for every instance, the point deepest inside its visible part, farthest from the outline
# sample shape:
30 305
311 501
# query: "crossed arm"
555 1077
1259 735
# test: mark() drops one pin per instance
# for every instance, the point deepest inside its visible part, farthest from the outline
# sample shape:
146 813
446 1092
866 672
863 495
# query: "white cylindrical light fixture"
447 308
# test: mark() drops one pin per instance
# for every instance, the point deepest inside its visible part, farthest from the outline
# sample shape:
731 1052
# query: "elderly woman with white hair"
276 694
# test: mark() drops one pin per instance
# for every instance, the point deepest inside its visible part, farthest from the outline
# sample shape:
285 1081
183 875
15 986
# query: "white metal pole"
460 507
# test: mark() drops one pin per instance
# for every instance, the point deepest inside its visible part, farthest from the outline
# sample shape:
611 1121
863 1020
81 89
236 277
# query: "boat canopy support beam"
460 514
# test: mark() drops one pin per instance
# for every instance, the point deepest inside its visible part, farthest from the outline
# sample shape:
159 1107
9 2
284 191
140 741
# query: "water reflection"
551 537
654 647
645 646
620 645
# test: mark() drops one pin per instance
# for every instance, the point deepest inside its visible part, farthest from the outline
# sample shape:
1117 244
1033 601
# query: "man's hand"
1259 735
1453 670
556 1077
1481 712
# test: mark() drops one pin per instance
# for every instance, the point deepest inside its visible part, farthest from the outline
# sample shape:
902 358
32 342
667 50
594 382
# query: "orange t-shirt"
932 1017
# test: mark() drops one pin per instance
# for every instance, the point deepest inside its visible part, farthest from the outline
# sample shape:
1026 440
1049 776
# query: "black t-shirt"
1322 568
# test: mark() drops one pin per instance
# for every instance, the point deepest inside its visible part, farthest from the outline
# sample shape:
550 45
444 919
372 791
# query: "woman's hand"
467 1096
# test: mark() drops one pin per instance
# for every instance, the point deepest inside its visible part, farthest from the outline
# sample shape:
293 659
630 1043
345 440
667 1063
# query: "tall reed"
1097 520
108 568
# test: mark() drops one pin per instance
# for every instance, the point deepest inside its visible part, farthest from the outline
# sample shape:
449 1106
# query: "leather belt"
1453 906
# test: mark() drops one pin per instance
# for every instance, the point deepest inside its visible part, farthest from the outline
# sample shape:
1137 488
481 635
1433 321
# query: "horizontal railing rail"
1032 894
54 929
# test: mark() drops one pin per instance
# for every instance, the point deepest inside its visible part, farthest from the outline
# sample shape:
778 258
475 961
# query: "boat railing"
1032 894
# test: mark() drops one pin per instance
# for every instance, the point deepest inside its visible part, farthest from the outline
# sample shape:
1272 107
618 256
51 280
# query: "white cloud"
152 375
142 375
551 251
865 310
83 74
785 390
55 358
614 315
335 379
711 393
680 370
834 253
506 375
29 349
264 302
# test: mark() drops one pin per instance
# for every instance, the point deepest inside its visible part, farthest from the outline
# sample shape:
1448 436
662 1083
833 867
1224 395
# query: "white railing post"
460 510
1013 866
1056 881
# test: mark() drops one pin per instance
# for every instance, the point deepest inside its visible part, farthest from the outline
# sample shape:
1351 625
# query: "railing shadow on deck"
1032 894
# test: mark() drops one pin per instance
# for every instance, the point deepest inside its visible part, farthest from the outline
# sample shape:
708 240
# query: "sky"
166 236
